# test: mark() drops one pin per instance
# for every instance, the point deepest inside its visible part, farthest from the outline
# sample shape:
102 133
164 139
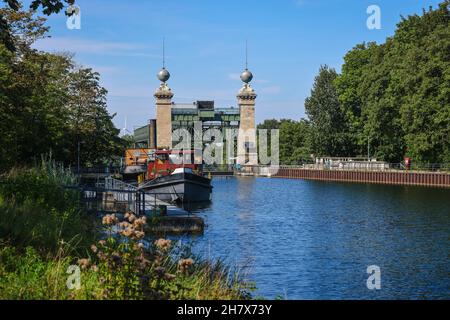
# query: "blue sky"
288 40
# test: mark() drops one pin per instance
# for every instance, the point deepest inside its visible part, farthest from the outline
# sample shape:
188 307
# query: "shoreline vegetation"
389 101
44 231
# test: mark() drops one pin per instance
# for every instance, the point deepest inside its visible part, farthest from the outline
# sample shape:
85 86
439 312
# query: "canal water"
299 239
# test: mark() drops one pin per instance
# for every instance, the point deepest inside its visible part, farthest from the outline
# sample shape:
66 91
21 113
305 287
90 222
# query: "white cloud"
270 90
234 76
225 95
105 70
93 47
130 91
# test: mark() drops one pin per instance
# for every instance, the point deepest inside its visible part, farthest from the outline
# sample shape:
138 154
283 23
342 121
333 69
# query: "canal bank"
392 177
302 239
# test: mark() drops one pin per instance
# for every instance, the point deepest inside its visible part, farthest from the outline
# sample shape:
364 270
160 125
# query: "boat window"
163 157
181 158
176 158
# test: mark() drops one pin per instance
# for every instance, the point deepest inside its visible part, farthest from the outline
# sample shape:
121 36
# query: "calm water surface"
314 240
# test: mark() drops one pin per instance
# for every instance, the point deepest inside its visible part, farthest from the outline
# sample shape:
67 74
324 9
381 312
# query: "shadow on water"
195 206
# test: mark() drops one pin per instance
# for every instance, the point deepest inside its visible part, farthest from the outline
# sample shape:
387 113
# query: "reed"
36 210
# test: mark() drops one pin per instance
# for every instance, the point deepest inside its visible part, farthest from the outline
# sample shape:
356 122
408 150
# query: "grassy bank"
51 249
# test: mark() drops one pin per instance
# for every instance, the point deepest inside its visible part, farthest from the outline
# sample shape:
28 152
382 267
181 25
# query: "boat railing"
111 183
113 195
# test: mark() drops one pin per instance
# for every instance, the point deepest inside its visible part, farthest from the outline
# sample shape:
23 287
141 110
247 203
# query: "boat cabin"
164 162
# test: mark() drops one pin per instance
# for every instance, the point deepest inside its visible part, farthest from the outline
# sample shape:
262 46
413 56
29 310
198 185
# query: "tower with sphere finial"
247 149
163 97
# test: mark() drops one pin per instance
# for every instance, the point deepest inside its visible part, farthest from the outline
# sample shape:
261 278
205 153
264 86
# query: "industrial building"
157 133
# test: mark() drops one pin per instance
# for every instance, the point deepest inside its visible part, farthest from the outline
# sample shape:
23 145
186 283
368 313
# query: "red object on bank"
407 163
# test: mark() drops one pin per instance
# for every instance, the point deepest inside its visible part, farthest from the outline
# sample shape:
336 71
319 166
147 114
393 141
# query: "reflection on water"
305 239
195 206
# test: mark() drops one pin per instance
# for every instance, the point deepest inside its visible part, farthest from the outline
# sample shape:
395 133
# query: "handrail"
377 166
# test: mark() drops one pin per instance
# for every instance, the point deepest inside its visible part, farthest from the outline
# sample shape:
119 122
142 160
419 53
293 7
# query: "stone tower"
247 150
163 97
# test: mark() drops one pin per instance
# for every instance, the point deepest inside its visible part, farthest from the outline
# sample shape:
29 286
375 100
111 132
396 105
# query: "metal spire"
164 53
246 54
163 75
246 76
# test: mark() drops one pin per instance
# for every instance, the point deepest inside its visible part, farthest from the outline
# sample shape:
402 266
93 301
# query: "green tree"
328 126
396 95
295 142
351 95
268 125
90 123
27 75
380 112
423 81
48 105
48 7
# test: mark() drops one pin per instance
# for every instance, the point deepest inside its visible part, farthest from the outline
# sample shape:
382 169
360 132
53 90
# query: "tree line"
390 100
48 103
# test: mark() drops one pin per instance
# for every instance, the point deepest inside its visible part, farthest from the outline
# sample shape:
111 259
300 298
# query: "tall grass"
28 275
36 210
210 280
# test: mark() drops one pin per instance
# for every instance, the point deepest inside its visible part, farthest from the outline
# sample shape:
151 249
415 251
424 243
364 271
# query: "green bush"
42 184
36 210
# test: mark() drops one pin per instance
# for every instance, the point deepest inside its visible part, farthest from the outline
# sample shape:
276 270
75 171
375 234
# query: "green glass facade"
186 115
